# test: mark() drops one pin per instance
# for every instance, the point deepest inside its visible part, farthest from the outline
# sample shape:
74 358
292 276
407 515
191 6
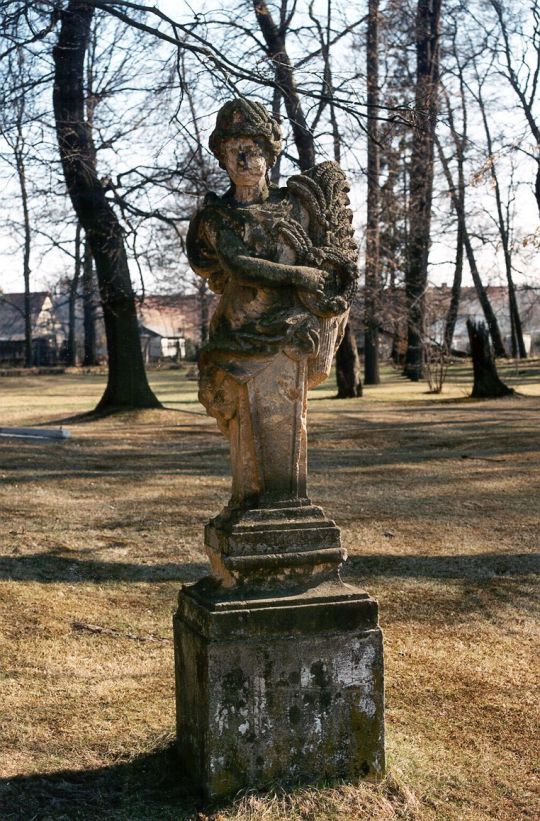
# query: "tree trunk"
28 347
518 345
421 179
487 384
396 353
372 289
458 200
17 143
275 171
127 385
71 353
451 317
491 319
347 361
202 290
274 38
21 174
458 205
348 372
89 308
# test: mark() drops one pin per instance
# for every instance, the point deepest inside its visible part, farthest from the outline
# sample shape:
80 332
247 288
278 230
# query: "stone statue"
279 662
284 263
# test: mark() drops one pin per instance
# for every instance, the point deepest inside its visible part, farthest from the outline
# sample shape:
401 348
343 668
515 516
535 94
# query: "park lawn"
438 500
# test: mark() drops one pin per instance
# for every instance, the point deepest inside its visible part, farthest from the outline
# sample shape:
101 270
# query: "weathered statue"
284 262
279 671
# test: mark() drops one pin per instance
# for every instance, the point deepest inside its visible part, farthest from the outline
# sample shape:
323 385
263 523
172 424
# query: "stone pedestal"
278 546
278 687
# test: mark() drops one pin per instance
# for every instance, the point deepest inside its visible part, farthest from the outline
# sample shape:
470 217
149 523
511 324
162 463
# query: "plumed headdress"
243 118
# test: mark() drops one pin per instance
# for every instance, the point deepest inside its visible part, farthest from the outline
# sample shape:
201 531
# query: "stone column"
267 436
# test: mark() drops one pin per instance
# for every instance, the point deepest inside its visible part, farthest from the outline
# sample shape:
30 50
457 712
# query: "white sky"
47 269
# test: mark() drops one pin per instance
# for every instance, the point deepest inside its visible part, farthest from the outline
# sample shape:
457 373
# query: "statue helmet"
244 118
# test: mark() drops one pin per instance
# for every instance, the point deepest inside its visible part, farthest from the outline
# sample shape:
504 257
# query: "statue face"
245 161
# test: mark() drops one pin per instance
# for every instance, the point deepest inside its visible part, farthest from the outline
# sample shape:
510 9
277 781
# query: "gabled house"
61 306
47 333
170 326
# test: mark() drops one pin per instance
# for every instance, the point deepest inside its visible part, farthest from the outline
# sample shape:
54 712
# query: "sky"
48 267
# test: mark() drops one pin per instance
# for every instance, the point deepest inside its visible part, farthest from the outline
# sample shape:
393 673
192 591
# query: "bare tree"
14 126
487 383
127 385
458 202
372 279
421 177
89 308
522 72
274 37
459 137
349 381
397 85
71 348
502 221
220 52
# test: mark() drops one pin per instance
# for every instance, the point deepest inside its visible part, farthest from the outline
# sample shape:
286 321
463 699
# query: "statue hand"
309 279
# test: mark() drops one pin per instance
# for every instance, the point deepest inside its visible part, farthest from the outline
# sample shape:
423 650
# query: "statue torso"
252 320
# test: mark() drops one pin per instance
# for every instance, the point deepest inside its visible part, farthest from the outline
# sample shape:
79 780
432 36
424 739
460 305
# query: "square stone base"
278 689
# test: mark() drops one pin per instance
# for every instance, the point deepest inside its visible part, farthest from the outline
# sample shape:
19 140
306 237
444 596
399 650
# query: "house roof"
171 315
12 314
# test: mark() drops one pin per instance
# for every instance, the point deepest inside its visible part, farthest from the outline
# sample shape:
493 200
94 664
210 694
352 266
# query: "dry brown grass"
439 505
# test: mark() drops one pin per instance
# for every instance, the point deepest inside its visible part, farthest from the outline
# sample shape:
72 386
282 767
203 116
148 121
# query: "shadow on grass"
50 461
149 786
478 567
449 589
95 415
55 567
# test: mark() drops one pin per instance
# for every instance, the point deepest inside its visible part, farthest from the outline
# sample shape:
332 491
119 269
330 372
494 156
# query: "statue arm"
237 261
200 252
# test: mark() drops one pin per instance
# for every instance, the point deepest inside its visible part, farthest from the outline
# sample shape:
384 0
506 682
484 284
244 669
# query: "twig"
110 631
481 458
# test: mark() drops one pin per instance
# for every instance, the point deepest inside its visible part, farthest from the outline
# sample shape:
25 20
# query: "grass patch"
437 497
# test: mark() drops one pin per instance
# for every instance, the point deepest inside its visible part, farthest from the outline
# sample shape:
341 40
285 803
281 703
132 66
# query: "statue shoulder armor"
199 246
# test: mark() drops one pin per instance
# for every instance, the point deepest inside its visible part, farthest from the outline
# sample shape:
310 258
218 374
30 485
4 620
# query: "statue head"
246 127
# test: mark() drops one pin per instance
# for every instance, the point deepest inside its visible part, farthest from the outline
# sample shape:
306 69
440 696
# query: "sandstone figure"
279 662
284 263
